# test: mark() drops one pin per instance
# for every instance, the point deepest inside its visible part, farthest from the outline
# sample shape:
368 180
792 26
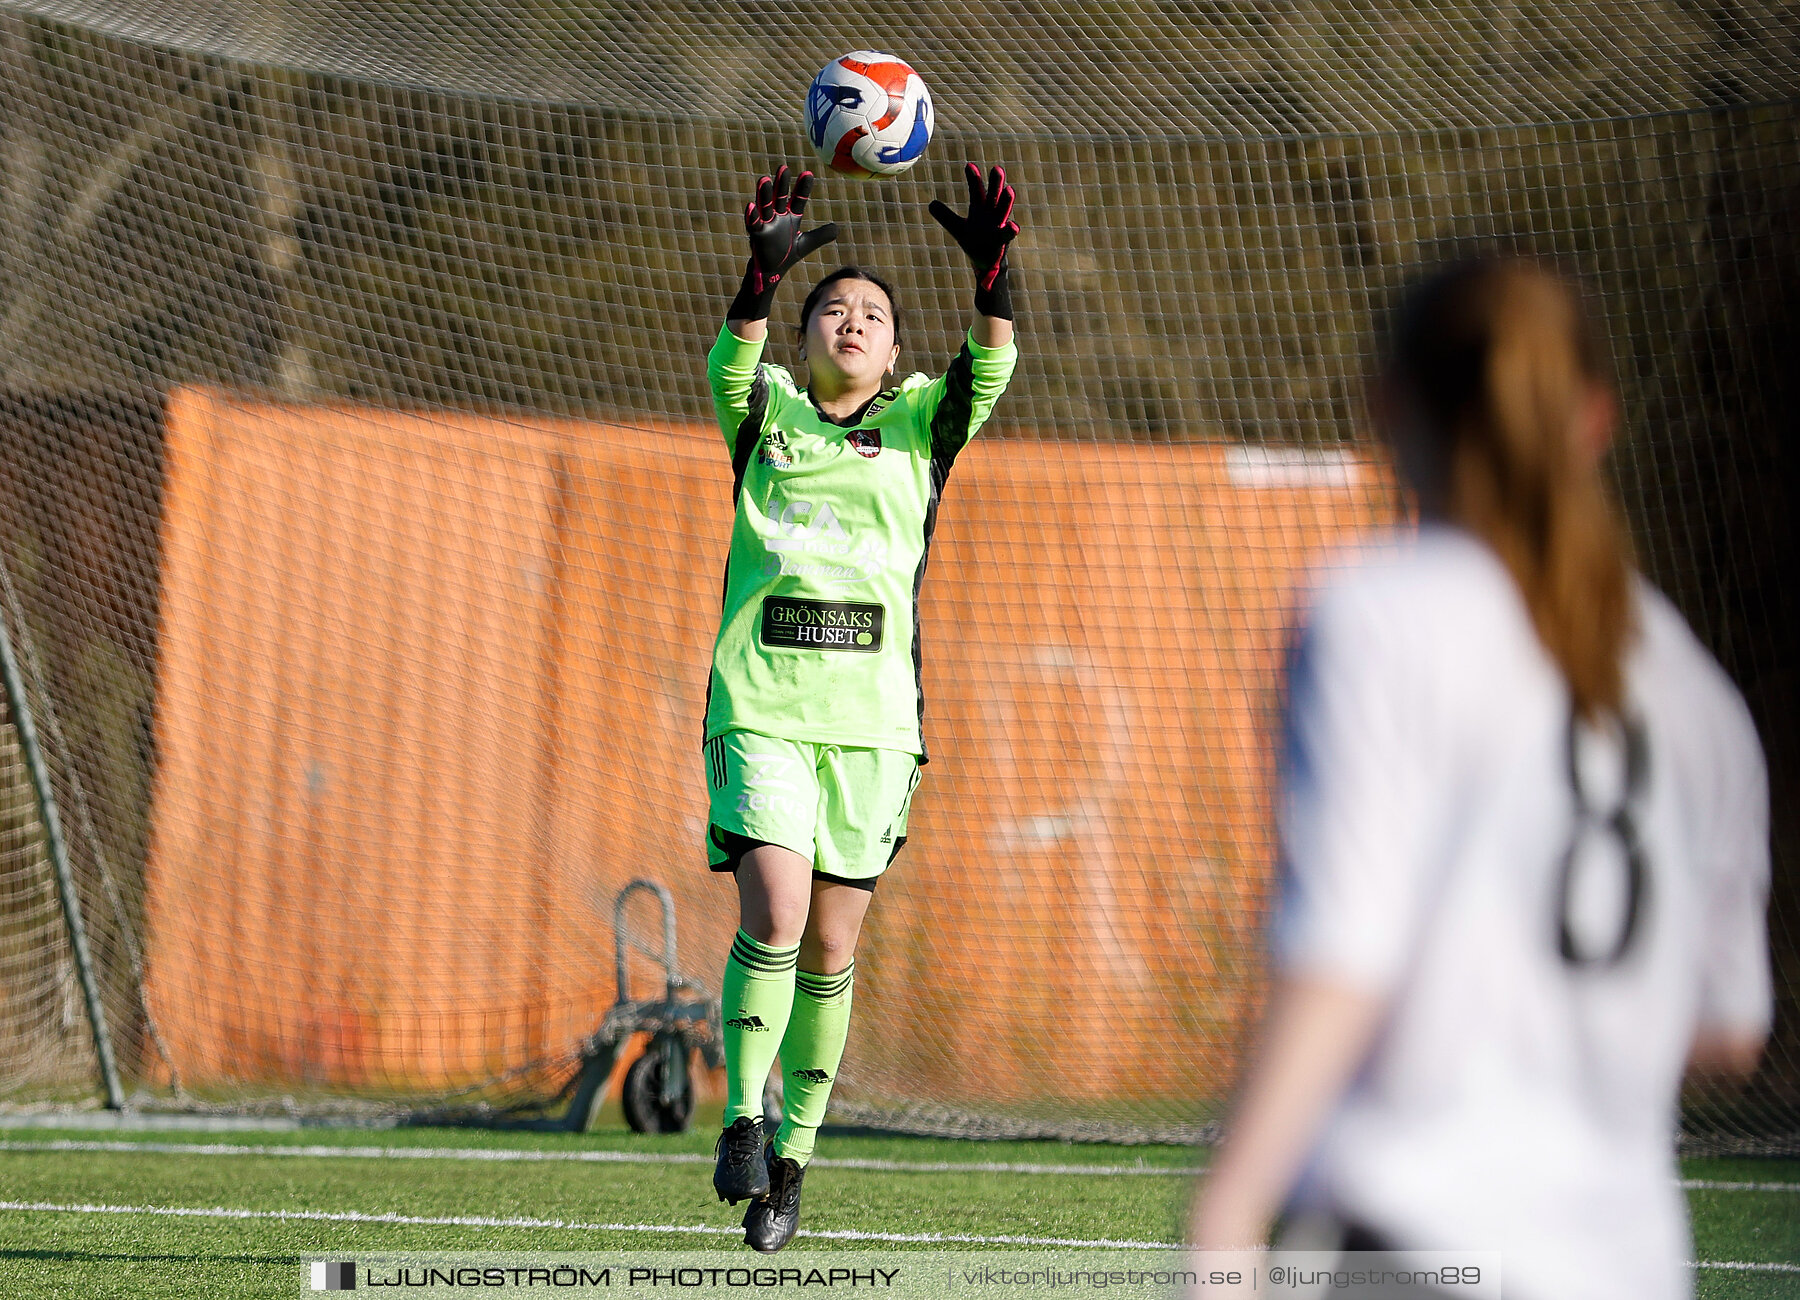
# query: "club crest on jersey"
866 441
774 450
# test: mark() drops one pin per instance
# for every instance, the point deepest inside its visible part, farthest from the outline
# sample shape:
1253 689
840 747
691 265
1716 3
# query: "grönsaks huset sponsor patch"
793 623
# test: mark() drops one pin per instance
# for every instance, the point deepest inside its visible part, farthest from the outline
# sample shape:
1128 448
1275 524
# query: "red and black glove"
984 235
772 220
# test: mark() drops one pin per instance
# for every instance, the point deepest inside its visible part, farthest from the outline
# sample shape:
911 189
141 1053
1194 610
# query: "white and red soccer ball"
868 114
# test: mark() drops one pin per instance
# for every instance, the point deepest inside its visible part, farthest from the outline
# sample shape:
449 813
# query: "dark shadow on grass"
102 1257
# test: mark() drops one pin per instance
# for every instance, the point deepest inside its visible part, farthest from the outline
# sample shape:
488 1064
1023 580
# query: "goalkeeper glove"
772 220
984 235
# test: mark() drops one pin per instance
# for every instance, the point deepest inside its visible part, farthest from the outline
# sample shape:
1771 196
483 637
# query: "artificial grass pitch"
880 1193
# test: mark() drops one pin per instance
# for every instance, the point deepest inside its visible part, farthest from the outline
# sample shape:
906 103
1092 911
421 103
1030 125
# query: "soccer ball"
868 115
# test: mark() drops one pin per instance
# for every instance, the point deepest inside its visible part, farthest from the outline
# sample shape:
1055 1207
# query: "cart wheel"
642 1099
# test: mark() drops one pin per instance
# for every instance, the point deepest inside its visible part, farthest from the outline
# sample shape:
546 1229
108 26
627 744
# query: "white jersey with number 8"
1549 912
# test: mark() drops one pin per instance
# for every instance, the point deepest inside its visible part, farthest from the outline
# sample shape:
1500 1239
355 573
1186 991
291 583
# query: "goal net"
362 518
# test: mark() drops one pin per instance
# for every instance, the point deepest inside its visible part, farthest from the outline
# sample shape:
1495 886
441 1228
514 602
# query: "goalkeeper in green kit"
813 741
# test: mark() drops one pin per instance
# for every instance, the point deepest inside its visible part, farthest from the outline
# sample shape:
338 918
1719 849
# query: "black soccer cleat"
741 1174
769 1224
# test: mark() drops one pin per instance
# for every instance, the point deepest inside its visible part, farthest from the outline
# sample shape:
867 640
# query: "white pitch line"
512 1155
584 1157
686 1229
482 1221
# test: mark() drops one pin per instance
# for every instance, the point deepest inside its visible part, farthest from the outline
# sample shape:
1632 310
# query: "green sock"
810 1052
756 997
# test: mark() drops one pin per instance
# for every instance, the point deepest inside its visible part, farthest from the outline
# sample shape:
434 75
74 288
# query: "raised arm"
772 220
734 369
984 235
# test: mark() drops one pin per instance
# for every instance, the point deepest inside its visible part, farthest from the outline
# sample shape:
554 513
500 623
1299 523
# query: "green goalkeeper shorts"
843 808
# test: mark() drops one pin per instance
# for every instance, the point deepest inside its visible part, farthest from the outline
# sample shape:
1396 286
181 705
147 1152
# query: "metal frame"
58 849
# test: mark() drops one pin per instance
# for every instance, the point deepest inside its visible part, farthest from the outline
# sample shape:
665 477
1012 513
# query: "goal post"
56 848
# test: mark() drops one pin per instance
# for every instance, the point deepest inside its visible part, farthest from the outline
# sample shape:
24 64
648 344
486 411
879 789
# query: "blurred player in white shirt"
1525 845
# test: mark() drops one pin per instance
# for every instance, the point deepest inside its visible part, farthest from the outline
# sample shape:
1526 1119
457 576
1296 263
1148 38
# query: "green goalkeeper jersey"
819 637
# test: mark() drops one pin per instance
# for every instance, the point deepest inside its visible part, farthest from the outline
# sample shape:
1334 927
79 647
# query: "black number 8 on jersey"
1617 823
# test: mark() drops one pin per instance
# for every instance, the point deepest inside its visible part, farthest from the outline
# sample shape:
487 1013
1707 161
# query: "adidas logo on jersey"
774 450
815 1076
753 1024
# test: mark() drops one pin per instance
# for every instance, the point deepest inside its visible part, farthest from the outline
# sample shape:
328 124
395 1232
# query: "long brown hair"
1492 364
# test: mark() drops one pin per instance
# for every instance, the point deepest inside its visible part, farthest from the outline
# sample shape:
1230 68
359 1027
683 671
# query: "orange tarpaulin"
431 690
